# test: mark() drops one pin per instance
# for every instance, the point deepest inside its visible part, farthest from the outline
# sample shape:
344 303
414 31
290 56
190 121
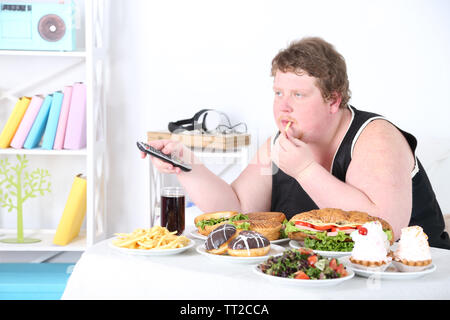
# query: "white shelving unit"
44 152
76 54
91 57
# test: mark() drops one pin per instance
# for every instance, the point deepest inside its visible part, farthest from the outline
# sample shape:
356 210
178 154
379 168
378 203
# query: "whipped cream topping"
413 245
370 246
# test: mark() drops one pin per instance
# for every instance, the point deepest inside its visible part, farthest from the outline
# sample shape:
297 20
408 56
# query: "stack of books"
54 122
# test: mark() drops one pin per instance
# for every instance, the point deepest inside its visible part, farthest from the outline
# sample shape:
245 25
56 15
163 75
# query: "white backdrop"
172 58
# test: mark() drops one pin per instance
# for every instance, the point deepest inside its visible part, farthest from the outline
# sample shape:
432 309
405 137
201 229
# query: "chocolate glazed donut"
218 240
249 244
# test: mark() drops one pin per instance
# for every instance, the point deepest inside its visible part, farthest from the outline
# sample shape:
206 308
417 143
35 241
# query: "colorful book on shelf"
10 129
62 122
74 212
52 122
76 123
27 121
37 130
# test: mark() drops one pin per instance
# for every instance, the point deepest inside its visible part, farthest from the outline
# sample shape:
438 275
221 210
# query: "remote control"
165 157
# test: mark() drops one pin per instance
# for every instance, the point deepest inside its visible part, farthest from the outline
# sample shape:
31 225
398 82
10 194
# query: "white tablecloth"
104 273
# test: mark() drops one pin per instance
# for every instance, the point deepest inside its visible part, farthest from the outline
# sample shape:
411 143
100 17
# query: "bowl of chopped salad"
303 267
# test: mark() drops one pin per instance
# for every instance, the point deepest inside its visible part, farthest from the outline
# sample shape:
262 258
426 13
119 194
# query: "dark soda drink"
172 210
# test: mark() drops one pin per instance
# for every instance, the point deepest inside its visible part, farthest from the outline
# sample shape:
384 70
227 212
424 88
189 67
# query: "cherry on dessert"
362 231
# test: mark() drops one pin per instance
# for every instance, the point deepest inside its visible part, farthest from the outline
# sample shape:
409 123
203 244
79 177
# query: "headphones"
201 121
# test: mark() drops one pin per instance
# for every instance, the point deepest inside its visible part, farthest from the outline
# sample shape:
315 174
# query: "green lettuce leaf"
324 242
211 222
283 232
239 216
243 225
290 227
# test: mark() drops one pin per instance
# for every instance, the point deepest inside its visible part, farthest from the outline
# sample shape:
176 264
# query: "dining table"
105 273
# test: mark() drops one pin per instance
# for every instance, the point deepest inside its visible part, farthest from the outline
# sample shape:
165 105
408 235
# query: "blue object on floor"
33 281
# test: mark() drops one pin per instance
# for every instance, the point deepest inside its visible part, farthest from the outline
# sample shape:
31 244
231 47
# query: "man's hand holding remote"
174 149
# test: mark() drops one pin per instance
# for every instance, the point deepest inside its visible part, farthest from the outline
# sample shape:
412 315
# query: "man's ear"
335 102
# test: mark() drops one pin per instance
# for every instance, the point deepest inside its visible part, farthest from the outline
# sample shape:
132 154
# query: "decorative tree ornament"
20 185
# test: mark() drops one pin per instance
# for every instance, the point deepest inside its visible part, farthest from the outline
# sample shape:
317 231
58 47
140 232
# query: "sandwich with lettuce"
207 222
329 229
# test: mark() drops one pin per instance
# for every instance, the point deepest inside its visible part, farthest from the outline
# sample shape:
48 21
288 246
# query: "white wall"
171 58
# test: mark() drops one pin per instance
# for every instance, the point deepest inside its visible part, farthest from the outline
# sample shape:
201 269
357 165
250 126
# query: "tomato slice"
312 260
302 223
301 275
333 264
305 251
341 270
322 228
345 228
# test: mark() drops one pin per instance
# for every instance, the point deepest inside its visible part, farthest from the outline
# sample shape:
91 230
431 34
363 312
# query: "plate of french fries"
155 241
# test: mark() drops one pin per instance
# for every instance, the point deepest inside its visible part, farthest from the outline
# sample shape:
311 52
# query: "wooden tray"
204 141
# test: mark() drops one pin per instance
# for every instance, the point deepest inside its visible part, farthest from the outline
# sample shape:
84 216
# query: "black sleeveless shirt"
289 197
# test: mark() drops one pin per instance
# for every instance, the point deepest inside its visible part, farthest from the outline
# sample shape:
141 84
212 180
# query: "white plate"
390 273
151 252
279 240
274 250
304 282
194 233
328 254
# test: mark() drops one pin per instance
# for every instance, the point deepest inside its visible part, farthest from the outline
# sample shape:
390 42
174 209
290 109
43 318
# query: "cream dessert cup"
413 252
371 249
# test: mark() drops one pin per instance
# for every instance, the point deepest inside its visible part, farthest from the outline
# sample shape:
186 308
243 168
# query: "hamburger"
269 224
270 229
329 229
207 222
273 216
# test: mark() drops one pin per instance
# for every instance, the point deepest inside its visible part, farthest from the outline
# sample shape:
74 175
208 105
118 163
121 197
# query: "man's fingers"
157 144
168 149
296 142
285 143
160 164
160 144
172 148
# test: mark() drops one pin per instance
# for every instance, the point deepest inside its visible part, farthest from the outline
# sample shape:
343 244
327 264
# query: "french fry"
156 237
287 126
